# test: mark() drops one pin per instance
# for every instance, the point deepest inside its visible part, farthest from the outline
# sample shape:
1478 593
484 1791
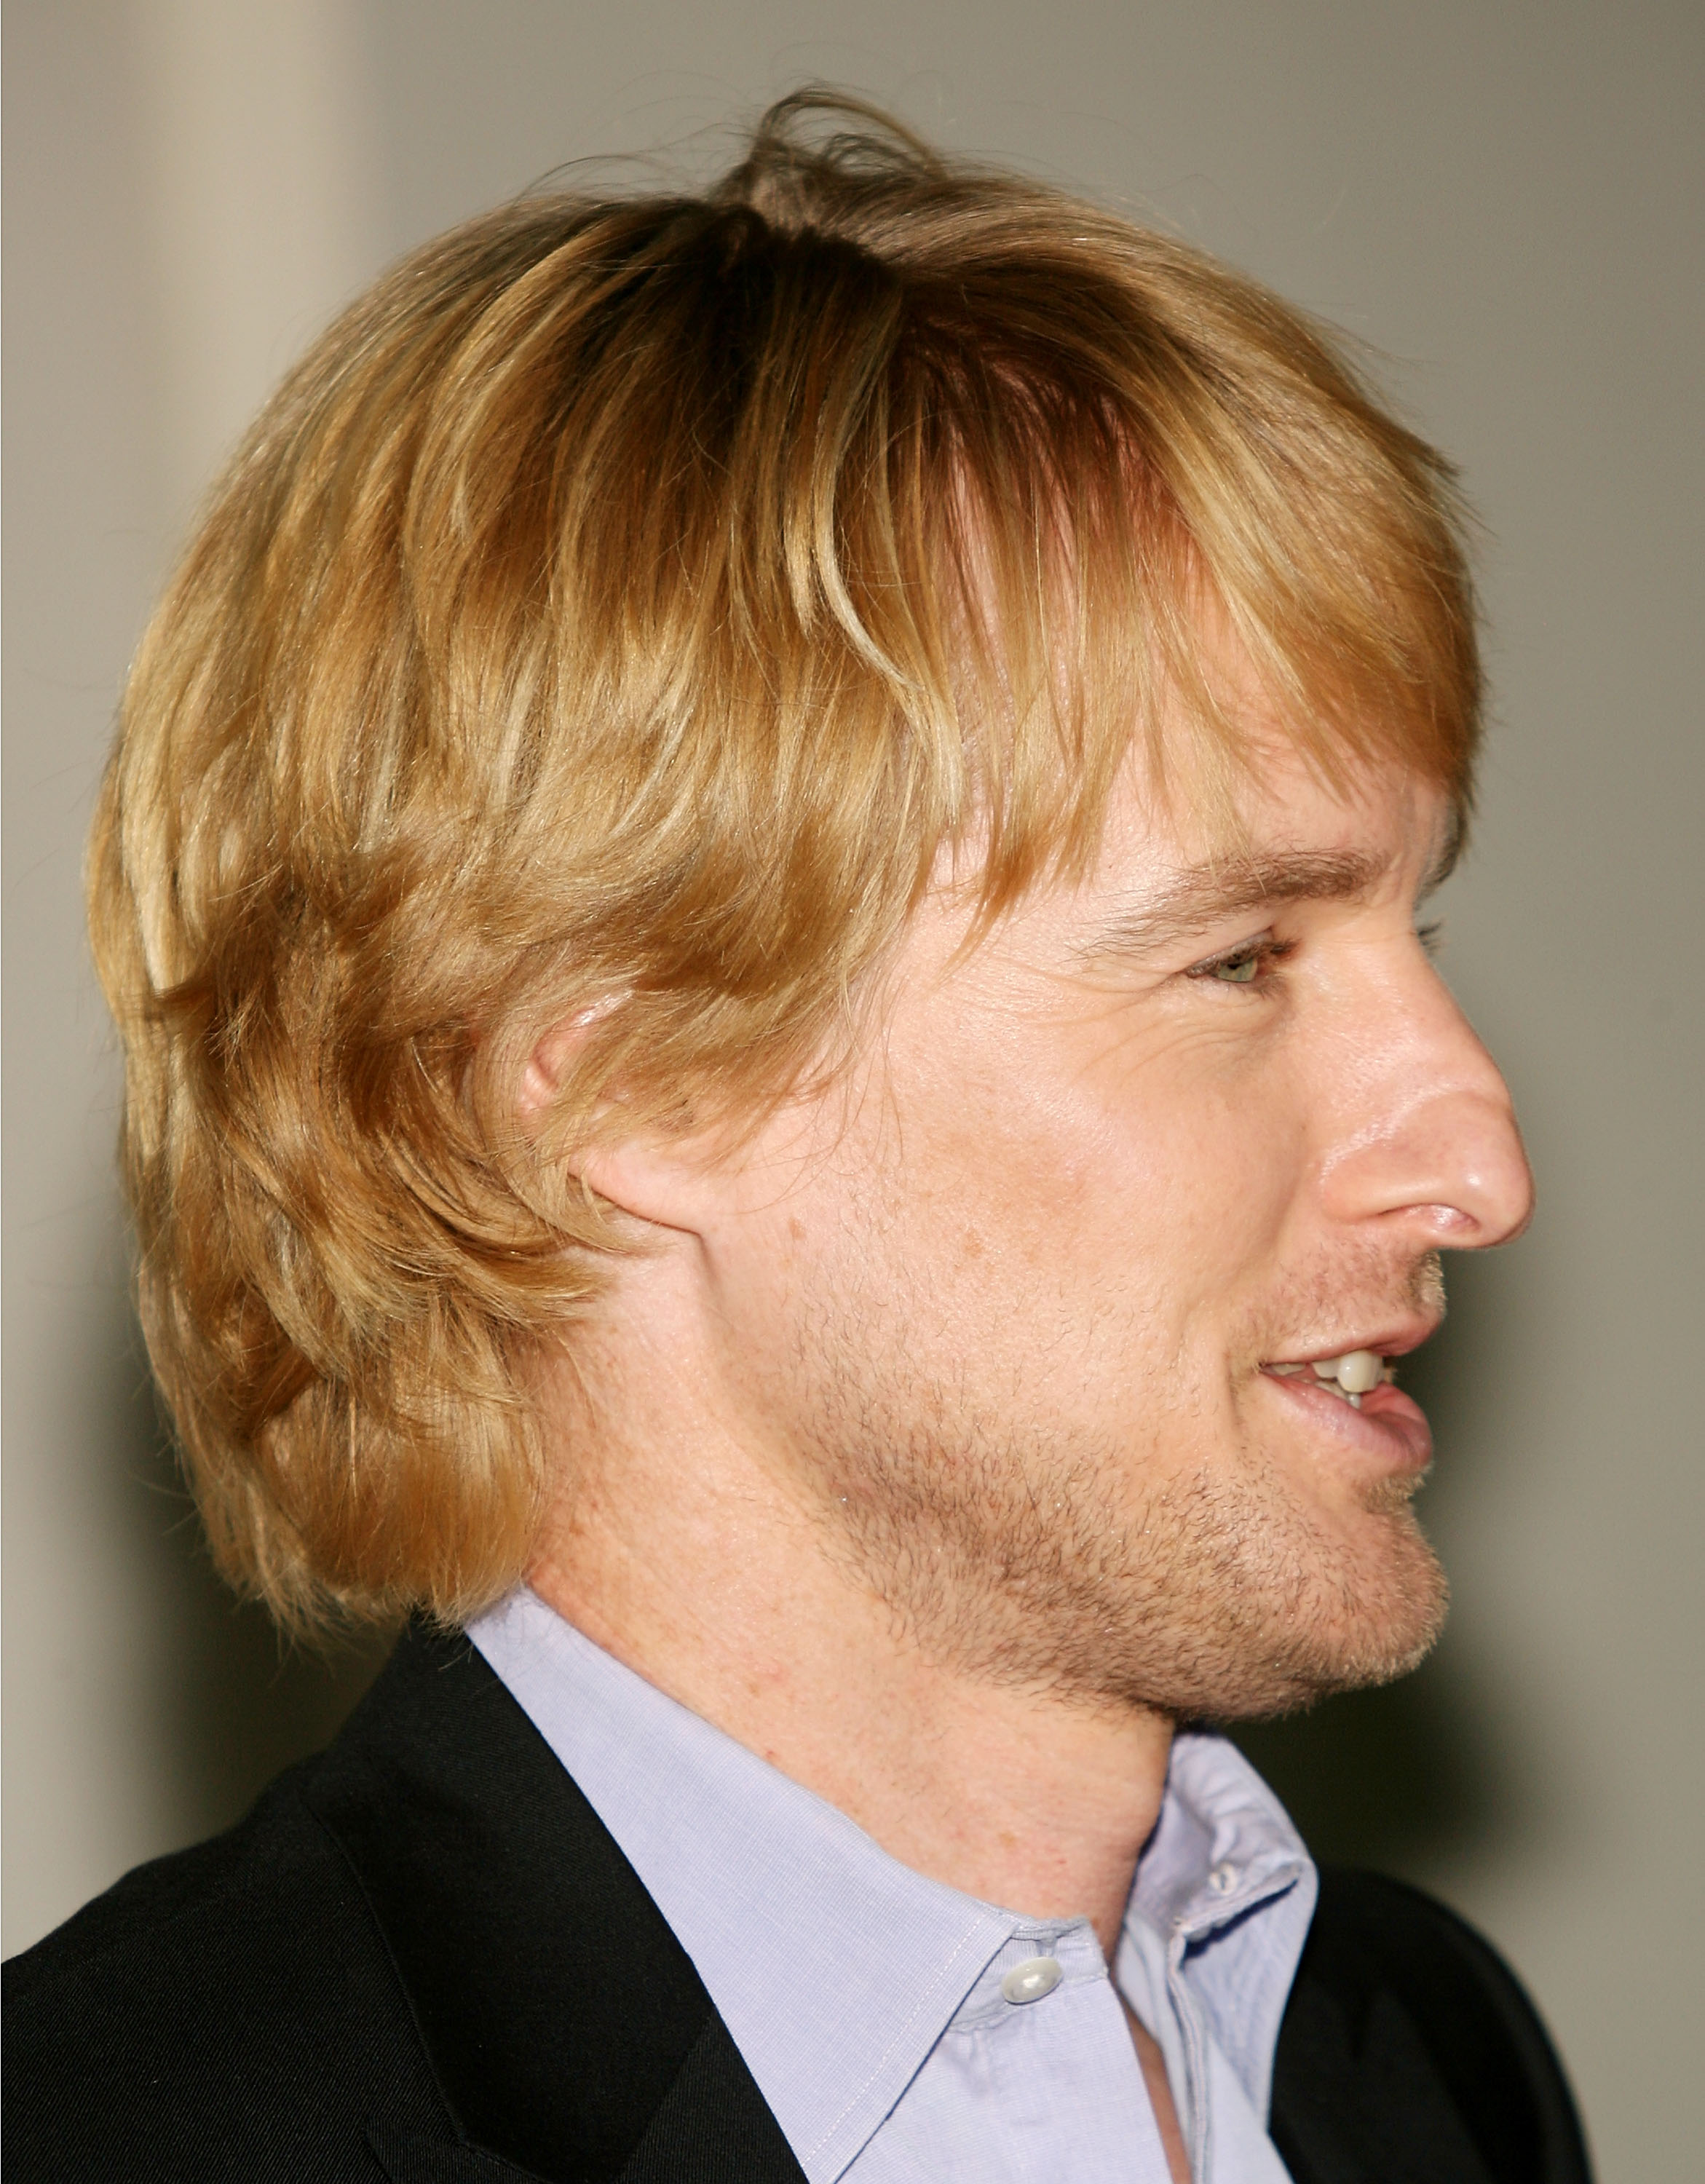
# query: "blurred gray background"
1505 198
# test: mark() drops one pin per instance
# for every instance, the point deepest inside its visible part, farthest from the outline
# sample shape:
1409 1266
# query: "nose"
1430 1141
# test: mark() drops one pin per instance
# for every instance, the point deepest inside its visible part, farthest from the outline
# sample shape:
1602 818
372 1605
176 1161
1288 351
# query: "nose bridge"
1432 1133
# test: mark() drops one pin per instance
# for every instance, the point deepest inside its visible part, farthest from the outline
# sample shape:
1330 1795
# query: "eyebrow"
1205 895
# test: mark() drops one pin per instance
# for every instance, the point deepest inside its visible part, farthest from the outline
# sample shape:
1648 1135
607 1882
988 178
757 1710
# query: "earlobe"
647 1178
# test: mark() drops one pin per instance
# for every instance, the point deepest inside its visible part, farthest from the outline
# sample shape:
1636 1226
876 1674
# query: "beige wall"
1507 199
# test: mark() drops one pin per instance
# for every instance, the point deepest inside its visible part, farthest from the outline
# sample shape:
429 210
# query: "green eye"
1247 966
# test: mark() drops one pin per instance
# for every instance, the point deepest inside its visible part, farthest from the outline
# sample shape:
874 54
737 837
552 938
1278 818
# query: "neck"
677 1548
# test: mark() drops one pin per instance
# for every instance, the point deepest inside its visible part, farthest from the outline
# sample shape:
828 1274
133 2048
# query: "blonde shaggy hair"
616 614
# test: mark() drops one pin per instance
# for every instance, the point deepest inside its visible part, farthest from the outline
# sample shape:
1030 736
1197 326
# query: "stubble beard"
1105 1575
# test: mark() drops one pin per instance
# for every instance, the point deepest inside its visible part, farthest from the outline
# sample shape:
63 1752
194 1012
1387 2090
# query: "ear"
653 1178
549 1061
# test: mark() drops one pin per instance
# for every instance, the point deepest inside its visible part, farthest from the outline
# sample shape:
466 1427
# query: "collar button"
1033 1979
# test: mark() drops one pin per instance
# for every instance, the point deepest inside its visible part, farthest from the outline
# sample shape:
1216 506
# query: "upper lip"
1392 1342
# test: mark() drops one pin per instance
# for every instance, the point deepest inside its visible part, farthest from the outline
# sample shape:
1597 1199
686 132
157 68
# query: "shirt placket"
1190 1928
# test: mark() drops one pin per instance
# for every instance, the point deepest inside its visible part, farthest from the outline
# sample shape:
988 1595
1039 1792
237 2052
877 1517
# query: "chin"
1372 1618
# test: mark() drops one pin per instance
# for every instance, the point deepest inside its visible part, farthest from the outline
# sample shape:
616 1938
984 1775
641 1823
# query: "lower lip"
1389 1424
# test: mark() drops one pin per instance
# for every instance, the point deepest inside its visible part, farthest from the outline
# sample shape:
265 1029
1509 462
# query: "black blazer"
421 1957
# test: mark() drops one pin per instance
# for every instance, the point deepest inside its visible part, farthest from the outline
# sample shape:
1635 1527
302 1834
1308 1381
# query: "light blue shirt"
867 2000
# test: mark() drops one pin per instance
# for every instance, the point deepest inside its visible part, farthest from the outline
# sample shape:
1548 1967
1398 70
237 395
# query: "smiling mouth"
1351 1377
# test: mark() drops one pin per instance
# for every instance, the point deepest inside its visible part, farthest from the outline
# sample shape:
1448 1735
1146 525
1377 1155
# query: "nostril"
1450 1220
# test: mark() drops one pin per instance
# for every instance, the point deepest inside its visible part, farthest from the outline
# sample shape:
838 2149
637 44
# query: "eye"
1239 970
1247 965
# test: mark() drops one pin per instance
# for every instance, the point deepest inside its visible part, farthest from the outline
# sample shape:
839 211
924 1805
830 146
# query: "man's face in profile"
1010 1308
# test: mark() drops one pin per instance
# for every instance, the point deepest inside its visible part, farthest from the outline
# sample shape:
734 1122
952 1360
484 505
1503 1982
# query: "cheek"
1220 1183
1079 1221
1079 1171
1199 1168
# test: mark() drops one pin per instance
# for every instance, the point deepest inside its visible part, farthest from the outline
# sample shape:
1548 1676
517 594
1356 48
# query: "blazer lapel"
713 2125
572 2039
1409 2053
414 2157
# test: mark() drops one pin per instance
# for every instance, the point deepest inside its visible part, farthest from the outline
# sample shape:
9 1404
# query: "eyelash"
1267 952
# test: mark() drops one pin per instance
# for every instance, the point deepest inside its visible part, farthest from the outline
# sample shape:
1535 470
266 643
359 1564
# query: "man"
761 882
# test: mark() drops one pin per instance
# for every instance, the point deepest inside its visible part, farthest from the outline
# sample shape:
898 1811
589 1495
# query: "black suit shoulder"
1411 2054
421 1958
233 1876
228 2012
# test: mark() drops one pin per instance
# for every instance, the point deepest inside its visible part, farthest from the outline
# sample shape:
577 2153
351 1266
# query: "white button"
1033 1979
1222 1880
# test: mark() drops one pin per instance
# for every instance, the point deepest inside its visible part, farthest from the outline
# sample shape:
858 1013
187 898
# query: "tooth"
1359 1371
1326 1369
1354 1401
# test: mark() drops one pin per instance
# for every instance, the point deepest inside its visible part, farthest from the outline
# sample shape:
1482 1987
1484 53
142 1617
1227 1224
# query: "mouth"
1352 1392
1350 1377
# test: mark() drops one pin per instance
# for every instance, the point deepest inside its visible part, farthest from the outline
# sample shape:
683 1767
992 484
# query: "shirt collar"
1228 1885
835 1968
